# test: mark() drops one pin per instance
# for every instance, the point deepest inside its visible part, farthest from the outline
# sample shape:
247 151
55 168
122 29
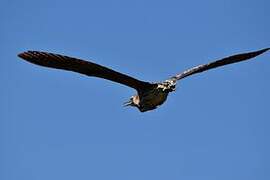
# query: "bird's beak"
128 103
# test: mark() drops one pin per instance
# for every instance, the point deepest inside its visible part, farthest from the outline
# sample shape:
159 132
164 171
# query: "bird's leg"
133 101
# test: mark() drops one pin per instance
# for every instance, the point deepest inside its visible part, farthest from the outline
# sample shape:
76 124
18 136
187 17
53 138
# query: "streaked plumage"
150 95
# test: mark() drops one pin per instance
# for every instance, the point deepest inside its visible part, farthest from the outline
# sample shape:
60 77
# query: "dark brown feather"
80 66
218 63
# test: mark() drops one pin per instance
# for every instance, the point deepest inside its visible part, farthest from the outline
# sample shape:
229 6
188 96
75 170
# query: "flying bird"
149 95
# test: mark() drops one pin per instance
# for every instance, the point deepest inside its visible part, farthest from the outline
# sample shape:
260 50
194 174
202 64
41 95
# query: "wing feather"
80 66
218 63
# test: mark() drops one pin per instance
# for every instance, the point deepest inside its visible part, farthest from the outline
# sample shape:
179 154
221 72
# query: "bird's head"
133 101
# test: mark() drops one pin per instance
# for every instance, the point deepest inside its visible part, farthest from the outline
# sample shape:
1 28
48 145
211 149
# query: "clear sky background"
61 125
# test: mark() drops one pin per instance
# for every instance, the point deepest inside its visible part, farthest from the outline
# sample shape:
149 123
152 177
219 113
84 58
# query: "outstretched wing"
80 66
218 63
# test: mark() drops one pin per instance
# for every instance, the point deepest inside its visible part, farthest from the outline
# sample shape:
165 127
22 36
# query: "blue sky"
61 125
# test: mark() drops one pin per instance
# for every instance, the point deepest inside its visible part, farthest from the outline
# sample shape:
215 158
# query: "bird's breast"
151 99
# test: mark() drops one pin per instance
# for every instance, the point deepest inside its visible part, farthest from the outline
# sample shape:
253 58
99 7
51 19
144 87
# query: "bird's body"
149 95
153 97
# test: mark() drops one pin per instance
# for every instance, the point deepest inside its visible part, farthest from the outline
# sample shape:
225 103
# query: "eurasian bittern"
150 95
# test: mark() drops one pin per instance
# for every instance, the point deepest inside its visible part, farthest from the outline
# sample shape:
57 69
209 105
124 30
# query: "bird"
149 95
